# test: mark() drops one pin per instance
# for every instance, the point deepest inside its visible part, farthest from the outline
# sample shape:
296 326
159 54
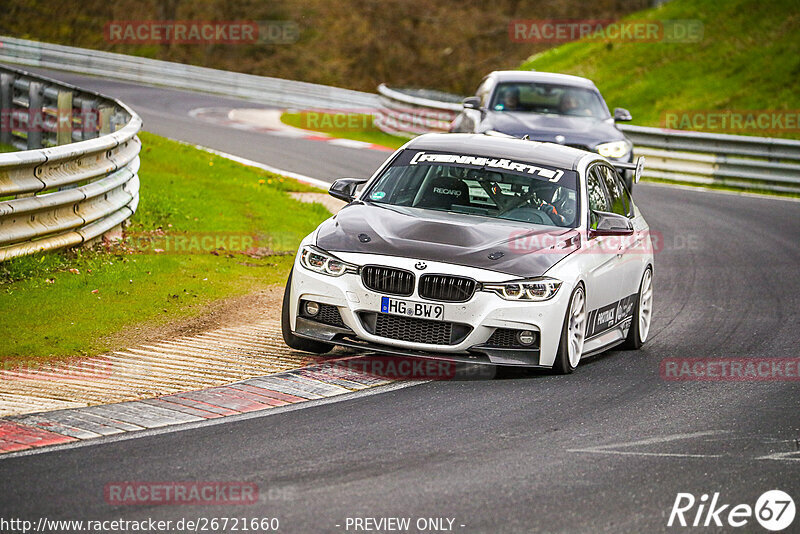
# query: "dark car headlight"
317 260
531 289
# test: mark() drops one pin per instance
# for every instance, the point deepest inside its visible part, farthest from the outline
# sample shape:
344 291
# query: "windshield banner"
520 168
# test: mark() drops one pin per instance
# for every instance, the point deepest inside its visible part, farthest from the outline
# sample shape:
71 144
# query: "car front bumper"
480 316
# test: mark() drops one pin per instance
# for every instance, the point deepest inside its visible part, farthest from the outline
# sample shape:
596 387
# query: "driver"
547 191
511 99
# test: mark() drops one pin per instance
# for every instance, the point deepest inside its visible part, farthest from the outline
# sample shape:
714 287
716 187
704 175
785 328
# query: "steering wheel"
542 206
528 214
552 212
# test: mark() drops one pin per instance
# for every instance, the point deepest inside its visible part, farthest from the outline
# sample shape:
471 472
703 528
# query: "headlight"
317 260
615 149
542 288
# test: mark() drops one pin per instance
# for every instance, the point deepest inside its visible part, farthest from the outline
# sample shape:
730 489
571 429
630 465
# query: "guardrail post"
64 124
105 120
35 115
6 95
114 122
89 119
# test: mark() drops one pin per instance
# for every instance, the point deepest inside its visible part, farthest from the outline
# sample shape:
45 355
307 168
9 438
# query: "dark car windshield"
548 98
479 185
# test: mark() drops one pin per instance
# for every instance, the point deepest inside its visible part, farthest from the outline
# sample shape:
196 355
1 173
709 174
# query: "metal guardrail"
748 162
262 89
75 176
703 158
411 112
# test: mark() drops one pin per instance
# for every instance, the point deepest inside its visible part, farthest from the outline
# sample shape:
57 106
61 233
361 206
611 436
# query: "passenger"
571 105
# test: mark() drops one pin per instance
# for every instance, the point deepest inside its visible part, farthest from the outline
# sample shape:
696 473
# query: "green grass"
46 310
748 59
7 148
356 126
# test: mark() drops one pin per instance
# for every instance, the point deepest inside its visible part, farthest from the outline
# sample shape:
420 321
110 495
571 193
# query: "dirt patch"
233 311
332 204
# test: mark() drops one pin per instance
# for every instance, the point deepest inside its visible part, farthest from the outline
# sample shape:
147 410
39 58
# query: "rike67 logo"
774 510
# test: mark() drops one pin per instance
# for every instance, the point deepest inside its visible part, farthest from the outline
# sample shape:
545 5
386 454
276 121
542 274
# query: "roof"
549 154
548 77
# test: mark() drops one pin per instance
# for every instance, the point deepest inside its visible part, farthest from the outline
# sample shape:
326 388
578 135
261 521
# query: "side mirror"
611 224
637 174
472 102
637 168
345 188
622 115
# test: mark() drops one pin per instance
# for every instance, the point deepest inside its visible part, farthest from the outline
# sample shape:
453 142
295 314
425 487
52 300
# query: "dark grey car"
556 108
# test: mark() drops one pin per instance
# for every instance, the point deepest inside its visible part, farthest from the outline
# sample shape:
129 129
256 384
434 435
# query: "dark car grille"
327 315
414 330
330 315
388 280
507 338
446 288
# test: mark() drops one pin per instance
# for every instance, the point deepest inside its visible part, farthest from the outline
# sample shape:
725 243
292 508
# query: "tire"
295 342
642 313
573 334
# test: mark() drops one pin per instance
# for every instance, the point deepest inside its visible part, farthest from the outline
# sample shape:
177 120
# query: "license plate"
422 310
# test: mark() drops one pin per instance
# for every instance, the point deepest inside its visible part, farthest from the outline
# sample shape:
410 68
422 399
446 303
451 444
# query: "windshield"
548 98
479 185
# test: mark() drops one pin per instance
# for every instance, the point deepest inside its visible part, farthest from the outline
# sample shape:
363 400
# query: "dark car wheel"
295 342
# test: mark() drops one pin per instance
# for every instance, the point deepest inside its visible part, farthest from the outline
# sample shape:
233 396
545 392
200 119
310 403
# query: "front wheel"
573 334
295 342
642 314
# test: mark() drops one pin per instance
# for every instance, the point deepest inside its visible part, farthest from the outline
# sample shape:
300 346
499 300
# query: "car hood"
518 249
583 131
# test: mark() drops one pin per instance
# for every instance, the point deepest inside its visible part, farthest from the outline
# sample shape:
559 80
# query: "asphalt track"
606 449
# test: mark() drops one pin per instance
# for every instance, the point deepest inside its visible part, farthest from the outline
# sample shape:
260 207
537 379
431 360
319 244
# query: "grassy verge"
206 228
356 126
748 59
